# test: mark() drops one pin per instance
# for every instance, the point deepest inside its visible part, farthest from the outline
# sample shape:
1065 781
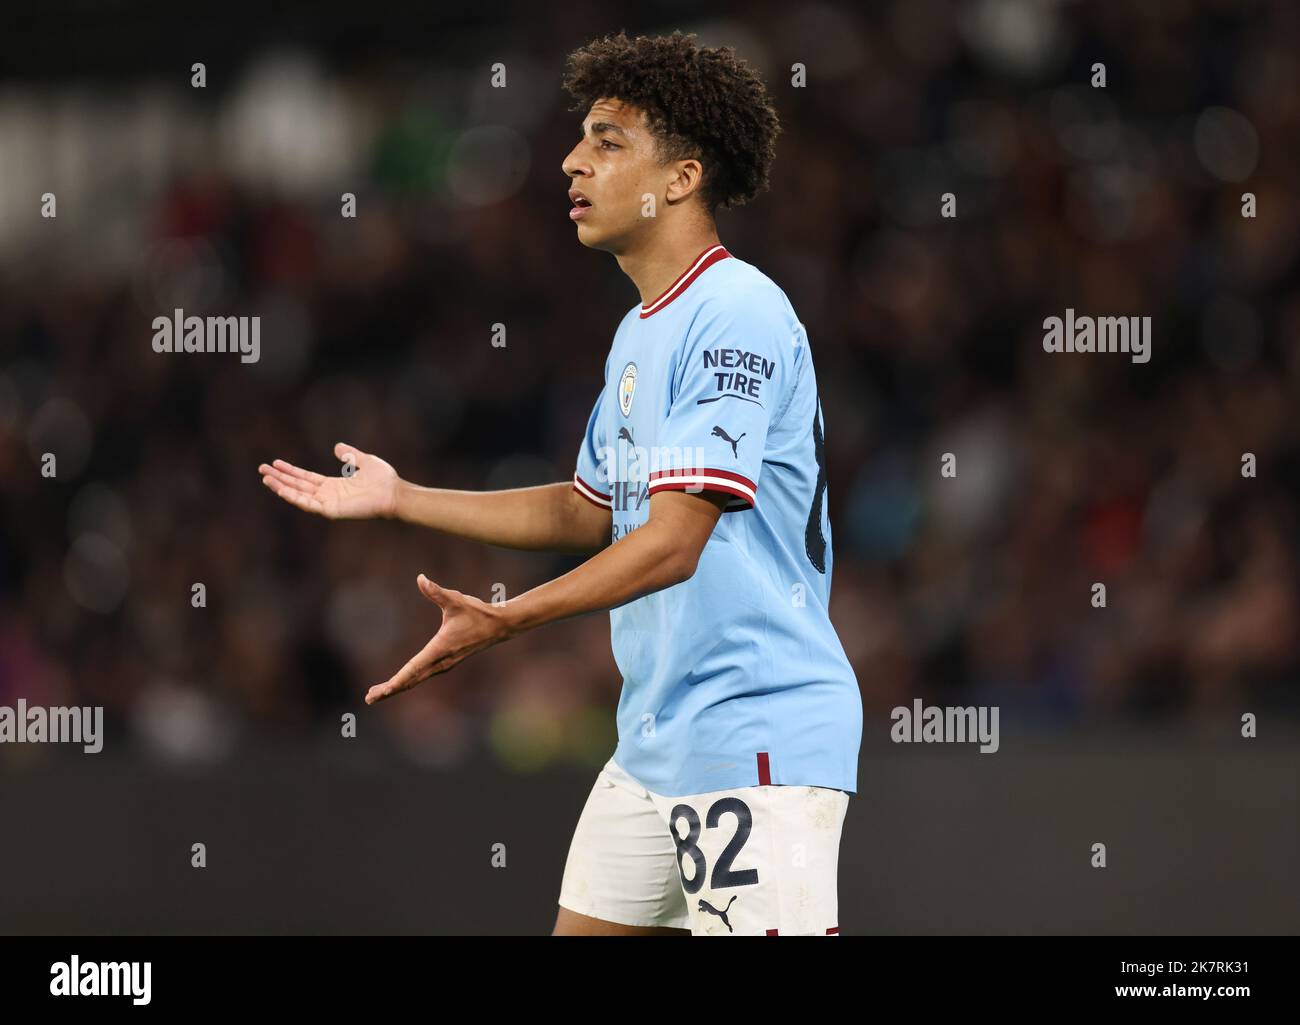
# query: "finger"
294 497
346 453
382 691
415 671
298 471
296 483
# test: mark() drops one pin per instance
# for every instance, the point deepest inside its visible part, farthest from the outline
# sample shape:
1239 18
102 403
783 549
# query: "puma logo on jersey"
623 432
706 906
718 432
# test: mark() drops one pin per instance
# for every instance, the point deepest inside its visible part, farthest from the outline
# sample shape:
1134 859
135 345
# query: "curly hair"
702 103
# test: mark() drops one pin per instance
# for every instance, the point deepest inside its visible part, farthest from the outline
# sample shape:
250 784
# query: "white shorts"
756 861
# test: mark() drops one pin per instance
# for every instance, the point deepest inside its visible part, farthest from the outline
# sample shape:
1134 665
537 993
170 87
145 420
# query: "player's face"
614 166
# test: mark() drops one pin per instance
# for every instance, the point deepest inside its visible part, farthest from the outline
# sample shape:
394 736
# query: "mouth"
581 204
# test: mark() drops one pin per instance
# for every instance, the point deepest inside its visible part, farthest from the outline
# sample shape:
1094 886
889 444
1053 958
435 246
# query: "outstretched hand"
468 626
367 488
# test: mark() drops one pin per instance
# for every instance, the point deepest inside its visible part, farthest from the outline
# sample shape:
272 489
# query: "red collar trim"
701 263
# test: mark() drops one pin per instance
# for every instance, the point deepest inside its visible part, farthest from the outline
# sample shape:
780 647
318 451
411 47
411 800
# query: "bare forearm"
646 560
663 551
551 517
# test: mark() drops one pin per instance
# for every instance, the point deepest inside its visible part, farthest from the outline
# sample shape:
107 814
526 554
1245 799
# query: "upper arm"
590 504
687 520
587 520
730 386
591 474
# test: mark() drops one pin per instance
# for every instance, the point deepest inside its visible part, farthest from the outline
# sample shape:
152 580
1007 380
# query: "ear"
686 179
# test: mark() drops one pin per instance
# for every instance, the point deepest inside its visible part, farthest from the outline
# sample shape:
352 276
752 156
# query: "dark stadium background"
1118 725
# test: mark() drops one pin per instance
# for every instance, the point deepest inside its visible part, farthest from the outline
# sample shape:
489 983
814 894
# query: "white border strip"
704 479
586 492
681 282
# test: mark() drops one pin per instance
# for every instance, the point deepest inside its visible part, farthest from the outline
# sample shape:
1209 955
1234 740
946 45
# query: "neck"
660 260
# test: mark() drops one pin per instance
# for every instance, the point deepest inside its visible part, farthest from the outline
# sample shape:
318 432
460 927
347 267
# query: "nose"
574 166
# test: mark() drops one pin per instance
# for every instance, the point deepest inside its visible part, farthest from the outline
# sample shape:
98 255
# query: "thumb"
431 591
346 453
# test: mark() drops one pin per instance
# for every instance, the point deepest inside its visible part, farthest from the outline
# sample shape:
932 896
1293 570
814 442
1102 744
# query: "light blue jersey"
735 677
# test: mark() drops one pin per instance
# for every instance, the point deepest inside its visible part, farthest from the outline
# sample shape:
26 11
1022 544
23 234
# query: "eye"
606 142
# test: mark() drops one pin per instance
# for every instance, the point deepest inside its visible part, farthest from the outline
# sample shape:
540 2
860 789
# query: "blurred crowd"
1071 469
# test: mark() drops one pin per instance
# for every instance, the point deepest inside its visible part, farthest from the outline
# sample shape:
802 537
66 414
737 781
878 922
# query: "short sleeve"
729 388
590 478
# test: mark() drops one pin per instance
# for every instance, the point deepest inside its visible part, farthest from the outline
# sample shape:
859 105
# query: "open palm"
367 488
469 625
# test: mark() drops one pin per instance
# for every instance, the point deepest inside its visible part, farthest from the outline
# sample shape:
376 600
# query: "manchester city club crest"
626 386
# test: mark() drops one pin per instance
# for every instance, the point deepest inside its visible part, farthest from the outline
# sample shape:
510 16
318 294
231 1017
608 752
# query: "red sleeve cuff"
740 487
591 494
